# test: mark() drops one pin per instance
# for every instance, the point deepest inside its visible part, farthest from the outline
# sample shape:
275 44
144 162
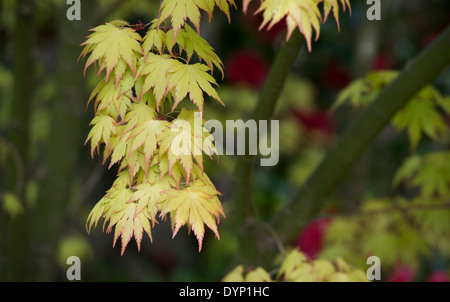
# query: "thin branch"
244 215
309 200
264 110
19 163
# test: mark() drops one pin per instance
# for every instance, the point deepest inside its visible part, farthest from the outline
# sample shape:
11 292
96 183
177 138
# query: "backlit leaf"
109 44
195 206
104 127
181 10
193 80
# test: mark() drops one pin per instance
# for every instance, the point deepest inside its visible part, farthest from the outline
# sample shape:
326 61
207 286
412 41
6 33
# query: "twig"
20 167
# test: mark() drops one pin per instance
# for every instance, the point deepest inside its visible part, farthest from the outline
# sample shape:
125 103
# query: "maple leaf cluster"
145 79
302 14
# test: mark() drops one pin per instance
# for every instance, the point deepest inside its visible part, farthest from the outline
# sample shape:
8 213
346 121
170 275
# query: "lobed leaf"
109 44
195 205
181 10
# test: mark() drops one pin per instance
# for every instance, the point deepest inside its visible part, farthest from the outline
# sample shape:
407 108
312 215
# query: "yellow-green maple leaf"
134 163
186 139
162 73
109 44
192 79
147 196
127 222
115 98
119 145
196 205
104 127
154 38
176 172
420 115
155 69
301 14
333 5
181 10
190 41
139 112
146 134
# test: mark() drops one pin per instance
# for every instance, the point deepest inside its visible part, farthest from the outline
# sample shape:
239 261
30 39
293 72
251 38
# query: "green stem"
309 200
244 216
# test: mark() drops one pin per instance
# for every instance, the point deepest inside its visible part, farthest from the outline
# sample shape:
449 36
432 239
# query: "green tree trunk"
16 245
65 142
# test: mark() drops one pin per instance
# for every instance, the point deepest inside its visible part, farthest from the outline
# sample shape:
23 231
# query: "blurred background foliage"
49 183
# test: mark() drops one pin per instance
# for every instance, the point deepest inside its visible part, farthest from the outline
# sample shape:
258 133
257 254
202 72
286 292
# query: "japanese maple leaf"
147 195
186 141
181 10
127 222
301 14
192 79
196 205
190 41
104 127
109 44
155 69
145 134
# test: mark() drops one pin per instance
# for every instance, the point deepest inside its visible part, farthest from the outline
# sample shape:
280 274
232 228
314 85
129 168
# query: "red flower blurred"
246 67
336 76
402 273
384 61
311 239
438 276
430 37
317 120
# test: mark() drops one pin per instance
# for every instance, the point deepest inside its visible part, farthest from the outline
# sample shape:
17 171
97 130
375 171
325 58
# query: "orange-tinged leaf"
185 141
301 14
113 98
111 43
154 39
245 4
224 6
155 70
190 41
129 222
195 206
145 134
96 214
139 113
148 195
193 80
181 10
104 127
119 145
